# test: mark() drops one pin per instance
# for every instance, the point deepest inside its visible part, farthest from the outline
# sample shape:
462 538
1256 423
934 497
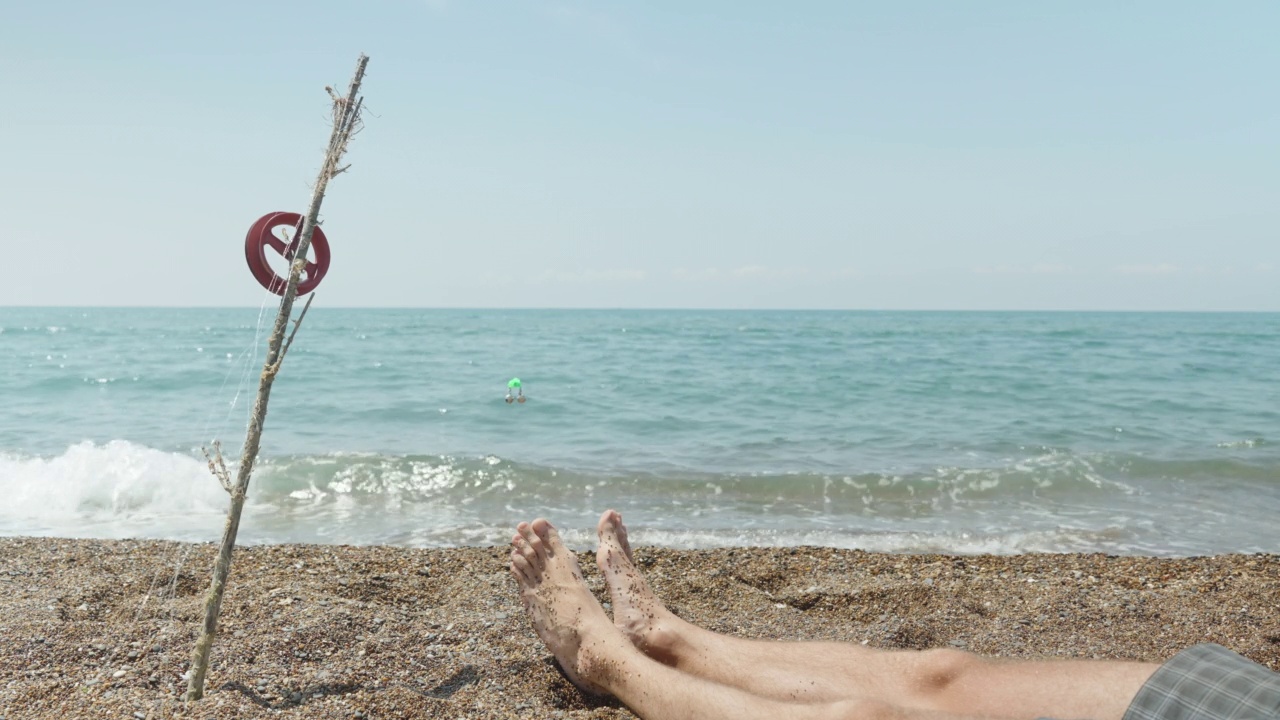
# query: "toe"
550 537
521 569
611 530
533 563
533 542
608 525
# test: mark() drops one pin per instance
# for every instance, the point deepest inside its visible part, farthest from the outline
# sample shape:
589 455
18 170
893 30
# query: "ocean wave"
1047 500
428 477
117 484
121 476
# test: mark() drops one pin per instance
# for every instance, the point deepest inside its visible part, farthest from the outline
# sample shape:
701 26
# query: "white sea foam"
116 489
1061 539
448 529
122 489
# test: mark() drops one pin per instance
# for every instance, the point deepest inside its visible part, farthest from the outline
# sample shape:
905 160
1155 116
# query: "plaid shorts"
1208 682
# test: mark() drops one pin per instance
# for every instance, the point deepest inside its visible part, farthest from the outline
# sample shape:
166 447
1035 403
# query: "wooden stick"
346 121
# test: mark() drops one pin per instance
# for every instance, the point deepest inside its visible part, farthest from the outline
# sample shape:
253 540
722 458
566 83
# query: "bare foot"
564 613
637 611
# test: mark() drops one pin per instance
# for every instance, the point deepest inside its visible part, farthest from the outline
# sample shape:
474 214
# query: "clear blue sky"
565 153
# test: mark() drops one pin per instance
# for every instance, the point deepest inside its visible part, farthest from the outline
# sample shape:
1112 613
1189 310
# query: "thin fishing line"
245 362
288 240
178 558
243 365
250 362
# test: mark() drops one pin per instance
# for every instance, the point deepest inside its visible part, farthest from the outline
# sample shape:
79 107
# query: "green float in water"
514 384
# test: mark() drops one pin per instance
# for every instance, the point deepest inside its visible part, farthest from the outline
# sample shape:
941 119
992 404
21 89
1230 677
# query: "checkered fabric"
1208 682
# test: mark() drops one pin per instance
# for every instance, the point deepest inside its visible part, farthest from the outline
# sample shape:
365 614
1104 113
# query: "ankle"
602 652
663 639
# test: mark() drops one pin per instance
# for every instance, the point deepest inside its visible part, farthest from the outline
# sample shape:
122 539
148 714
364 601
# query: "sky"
989 154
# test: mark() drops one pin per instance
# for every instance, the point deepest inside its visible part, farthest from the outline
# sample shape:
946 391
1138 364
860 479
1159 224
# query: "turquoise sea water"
961 432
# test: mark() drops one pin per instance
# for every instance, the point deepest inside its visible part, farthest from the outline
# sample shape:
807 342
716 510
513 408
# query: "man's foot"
637 611
564 613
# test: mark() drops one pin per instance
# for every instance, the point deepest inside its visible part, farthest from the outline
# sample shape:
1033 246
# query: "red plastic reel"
262 236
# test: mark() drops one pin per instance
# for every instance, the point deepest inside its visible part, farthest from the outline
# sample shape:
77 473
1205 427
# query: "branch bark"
346 121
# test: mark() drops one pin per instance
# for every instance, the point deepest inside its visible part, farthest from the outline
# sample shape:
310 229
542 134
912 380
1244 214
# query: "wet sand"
104 629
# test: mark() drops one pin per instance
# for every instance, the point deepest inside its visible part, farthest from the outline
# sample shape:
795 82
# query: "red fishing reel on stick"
262 235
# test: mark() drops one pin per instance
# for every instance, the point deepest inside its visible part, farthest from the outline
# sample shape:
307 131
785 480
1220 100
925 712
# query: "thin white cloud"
1037 269
683 273
754 273
590 276
1146 269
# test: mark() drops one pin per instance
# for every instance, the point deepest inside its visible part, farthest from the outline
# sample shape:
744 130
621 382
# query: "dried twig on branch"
218 466
346 122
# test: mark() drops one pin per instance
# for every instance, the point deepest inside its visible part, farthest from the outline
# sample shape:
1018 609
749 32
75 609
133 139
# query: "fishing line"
244 362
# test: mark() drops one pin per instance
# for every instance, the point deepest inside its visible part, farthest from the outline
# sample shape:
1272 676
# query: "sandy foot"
563 612
637 611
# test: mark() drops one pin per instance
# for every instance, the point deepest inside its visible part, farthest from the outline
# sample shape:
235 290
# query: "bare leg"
947 680
598 657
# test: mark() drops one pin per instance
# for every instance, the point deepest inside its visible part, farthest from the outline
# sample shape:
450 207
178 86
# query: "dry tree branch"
346 117
218 466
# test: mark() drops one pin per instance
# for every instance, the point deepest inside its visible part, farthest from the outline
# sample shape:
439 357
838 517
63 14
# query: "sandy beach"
103 629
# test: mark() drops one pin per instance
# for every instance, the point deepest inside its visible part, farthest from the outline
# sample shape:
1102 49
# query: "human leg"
598 657
948 680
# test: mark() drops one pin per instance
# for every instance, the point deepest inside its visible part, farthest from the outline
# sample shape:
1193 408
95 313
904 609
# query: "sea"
954 432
